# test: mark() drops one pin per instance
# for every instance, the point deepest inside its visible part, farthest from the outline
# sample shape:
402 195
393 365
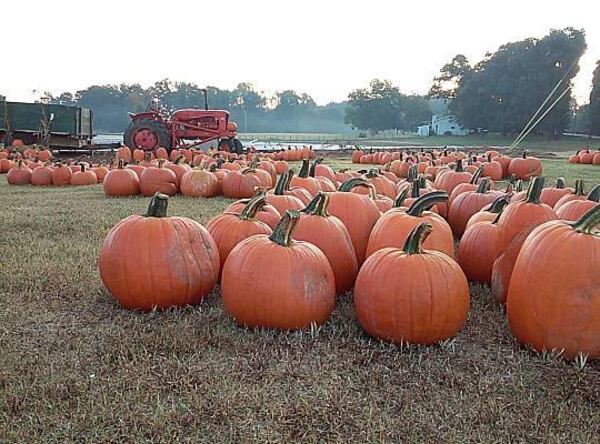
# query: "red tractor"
184 128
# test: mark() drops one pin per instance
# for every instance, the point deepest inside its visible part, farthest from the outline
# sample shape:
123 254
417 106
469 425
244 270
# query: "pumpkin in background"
157 261
199 183
525 168
394 227
282 200
382 184
298 192
61 175
551 195
138 155
492 169
161 153
297 290
178 167
84 177
229 229
554 293
586 157
100 171
158 180
42 176
239 184
450 179
490 212
124 154
596 159
323 170
136 168
303 180
358 213
578 194
574 158
330 235
5 165
575 209
19 174
356 155
518 216
411 295
44 155
467 204
121 182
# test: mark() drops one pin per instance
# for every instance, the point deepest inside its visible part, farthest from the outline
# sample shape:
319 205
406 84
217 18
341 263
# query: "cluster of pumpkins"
586 157
34 166
281 254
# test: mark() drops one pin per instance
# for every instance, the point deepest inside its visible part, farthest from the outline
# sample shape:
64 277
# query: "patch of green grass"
74 366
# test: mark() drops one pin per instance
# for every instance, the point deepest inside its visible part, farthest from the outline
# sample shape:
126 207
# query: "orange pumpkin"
330 235
19 174
303 180
199 183
282 200
266 213
156 261
239 184
178 167
121 182
525 168
577 194
84 177
490 212
124 154
467 204
61 175
100 171
42 176
554 293
161 180
478 250
551 195
575 209
229 229
411 295
298 290
45 155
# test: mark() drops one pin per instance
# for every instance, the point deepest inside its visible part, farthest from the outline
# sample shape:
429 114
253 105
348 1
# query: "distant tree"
446 84
504 90
594 106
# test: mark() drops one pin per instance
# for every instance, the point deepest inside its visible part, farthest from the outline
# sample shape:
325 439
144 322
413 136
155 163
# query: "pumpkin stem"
280 185
535 189
252 207
352 183
476 175
373 173
158 205
588 221
282 234
560 183
305 170
594 195
579 187
499 204
400 198
288 179
416 189
417 236
82 166
422 181
413 172
483 186
459 166
519 186
427 201
318 205
525 154
313 167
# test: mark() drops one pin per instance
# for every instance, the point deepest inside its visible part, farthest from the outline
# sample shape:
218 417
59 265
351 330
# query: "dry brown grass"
74 366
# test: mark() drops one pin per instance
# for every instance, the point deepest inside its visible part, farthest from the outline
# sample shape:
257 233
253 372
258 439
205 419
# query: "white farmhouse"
443 123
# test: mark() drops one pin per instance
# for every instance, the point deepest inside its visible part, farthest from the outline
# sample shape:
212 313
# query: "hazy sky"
325 48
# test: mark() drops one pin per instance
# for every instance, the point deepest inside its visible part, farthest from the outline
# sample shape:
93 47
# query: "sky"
325 48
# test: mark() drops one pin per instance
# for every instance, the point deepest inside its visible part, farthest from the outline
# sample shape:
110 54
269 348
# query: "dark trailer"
56 126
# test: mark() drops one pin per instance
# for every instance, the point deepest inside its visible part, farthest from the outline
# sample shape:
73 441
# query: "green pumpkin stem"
459 166
252 207
476 175
413 172
427 201
352 183
280 185
313 167
588 221
305 170
535 190
318 205
288 179
560 183
82 166
400 198
594 195
579 187
483 186
282 234
499 204
416 189
158 205
417 236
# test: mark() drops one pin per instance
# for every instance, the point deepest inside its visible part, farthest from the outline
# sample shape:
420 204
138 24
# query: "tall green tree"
445 85
594 106
504 90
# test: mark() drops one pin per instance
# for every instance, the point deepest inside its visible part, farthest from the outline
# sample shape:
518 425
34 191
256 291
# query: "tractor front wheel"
147 135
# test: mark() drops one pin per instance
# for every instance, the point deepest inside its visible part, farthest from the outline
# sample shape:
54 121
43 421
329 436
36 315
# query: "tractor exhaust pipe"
205 92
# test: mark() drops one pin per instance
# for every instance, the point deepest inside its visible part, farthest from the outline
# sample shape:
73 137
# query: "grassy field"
74 366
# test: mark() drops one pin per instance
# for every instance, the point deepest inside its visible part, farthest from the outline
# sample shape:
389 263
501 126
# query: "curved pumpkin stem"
352 183
400 198
427 201
483 186
560 183
535 189
476 175
252 207
158 205
594 195
525 153
459 166
280 185
415 189
499 204
282 234
588 221
305 170
579 187
313 167
417 236
318 205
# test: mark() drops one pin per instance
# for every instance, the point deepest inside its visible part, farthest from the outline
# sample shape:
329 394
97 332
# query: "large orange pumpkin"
229 229
61 175
161 180
574 209
478 250
178 167
121 182
281 199
42 176
305 181
394 226
124 154
331 236
577 194
490 212
357 212
19 174
298 290
554 293
156 261
199 183
450 179
525 167
411 295
240 184
84 177
467 204
551 195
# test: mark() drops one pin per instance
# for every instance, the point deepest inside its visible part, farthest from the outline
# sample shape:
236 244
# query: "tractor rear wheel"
226 145
238 148
147 135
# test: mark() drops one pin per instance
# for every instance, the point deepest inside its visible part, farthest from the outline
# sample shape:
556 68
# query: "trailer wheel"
238 148
226 145
147 134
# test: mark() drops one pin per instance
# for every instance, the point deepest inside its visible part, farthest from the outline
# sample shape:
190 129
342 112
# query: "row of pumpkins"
282 254
586 157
